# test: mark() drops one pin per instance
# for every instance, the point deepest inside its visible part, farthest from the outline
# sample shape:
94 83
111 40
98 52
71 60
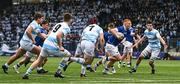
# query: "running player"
87 45
107 34
129 34
27 42
153 48
111 48
28 55
53 46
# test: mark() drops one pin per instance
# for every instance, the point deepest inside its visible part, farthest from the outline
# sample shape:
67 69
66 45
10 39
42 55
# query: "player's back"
51 40
92 32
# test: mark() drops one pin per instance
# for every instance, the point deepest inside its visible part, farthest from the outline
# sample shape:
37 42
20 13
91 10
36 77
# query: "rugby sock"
136 66
78 60
28 72
59 70
89 65
39 68
18 65
6 65
106 69
83 69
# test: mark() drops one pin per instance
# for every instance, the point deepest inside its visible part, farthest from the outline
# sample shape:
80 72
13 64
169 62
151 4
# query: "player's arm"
101 41
136 40
141 40
114 32
162 40
97 45
59 41
42 35
29 33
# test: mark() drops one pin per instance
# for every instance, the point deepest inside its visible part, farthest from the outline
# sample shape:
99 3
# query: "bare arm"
29 33
162 41
114 32
97 45
42 35
142 39
59 41
101 41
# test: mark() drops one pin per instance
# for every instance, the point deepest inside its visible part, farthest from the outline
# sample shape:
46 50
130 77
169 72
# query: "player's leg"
26 58
129 56
20 51
98 63
63 64
78 53
43 55
89 68
113 53
153 57
108 66
144 53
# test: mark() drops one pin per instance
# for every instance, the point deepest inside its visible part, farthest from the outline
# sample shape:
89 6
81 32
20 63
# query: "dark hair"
45 22
38 15
111 25
67 17
149 22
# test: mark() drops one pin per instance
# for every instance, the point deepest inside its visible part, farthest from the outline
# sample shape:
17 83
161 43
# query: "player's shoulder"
155 30
95 25
146 31
64 25
131 28
120 27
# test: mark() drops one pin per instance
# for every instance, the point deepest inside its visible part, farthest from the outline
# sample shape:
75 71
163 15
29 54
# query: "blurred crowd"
164 13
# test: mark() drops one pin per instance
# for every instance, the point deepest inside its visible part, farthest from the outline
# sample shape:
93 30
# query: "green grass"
166 72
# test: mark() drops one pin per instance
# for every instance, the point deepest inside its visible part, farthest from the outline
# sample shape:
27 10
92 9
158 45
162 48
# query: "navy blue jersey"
106 36
39 40
127 33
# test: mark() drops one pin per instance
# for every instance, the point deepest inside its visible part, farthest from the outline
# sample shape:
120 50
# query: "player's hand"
165 46
33 41
133 46
61 49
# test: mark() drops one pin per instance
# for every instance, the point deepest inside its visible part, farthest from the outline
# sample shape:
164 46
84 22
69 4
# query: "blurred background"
15 15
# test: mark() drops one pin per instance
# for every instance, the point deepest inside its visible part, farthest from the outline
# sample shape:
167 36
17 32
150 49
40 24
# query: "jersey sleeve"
119 29
158 35
100 30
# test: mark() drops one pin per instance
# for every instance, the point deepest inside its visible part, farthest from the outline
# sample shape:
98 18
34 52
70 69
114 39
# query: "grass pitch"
166 72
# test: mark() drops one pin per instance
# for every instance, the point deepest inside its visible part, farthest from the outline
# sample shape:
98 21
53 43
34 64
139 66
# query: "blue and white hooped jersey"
91 33
36 29
153 40
51 40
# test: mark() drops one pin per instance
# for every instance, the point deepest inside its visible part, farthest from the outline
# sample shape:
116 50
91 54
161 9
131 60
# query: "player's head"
111 26
149 25
38 17
45 24
127 23
68 18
